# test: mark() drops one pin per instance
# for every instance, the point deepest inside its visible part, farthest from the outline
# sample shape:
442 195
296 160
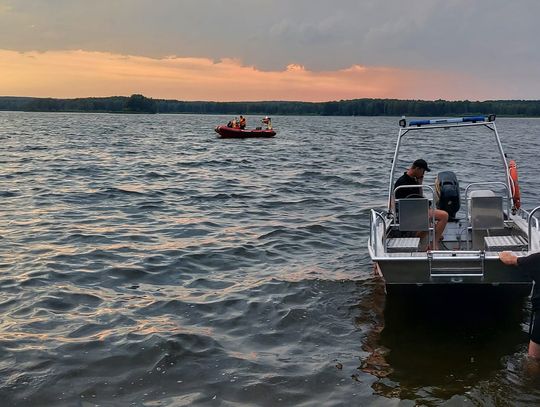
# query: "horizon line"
272 101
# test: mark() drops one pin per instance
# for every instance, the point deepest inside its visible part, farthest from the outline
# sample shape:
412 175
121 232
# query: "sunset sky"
311 50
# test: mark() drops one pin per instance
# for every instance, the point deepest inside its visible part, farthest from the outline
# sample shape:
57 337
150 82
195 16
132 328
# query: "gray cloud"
492 38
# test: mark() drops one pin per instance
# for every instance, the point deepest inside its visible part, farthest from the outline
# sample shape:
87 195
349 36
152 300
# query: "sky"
250 50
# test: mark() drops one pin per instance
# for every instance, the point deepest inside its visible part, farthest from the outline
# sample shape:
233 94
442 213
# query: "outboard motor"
447 193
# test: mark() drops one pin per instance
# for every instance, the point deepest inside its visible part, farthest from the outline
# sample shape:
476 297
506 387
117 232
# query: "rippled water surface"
145 262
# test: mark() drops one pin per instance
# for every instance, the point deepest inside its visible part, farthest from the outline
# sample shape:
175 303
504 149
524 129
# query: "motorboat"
485 215
235 132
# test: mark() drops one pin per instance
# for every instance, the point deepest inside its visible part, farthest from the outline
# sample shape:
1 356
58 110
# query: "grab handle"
529 224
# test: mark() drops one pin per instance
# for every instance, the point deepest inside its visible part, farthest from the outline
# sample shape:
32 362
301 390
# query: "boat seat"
413 214
402 244
486 210
485 214
501 243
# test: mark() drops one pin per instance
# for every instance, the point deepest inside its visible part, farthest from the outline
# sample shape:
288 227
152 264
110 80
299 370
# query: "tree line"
355 107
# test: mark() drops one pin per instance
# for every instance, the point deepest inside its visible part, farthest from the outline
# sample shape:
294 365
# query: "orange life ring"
516 195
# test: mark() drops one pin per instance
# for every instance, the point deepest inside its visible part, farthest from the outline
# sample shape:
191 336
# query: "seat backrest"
486 210
413 214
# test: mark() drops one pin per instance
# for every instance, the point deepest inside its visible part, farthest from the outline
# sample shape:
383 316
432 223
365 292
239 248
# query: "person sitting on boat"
235 124
415 176
229 124
242 122
531 265
268 122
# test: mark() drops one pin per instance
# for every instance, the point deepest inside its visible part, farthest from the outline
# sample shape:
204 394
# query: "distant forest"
355 107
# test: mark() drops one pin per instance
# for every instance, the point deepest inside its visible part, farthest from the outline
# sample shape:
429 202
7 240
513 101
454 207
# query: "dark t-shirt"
405 179
531 265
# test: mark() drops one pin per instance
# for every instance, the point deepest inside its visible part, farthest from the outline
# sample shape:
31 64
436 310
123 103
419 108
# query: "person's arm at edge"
530 263
508 258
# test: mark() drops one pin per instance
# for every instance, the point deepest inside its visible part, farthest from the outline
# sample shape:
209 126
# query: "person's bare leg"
534 350
424 240
441 219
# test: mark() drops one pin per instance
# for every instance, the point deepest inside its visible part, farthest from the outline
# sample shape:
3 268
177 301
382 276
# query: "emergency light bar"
469 119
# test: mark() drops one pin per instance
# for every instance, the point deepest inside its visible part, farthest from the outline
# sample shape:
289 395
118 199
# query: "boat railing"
419 186
523 215
531 218
373 225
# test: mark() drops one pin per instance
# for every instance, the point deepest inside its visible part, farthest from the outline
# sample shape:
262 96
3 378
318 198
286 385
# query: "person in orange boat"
242 122
268 122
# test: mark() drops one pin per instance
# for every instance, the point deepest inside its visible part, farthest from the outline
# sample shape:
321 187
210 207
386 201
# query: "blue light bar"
470 119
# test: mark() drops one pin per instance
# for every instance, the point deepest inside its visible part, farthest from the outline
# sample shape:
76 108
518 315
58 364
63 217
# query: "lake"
145 262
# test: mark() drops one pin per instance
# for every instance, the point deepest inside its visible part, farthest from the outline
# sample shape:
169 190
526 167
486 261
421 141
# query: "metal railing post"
529 225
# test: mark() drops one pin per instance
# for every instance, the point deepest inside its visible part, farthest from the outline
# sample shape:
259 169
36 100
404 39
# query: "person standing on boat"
415 176
242 122
531 265
268 122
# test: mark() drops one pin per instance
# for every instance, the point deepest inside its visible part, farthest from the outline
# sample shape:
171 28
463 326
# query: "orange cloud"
81 73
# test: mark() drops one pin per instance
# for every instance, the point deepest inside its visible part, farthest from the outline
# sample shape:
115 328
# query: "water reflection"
439 342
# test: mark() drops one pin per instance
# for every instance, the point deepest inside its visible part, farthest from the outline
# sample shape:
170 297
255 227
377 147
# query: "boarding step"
456 264
403 244
501 243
